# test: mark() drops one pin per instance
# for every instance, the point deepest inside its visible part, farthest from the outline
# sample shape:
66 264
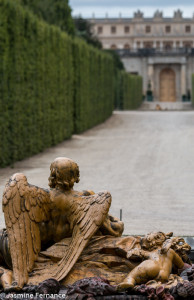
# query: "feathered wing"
87 215
24 206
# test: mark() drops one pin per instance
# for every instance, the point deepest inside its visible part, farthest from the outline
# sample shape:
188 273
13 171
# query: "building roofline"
146 19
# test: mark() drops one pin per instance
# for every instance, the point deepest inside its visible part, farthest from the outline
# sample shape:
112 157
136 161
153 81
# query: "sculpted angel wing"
87 215
24 206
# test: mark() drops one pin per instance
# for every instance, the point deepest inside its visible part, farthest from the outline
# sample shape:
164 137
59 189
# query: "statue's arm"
138 253
112 226
167 245
178 262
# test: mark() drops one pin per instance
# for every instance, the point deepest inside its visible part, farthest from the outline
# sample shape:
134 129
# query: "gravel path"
146 161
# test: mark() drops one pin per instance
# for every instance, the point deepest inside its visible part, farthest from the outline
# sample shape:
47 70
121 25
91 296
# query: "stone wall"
150 68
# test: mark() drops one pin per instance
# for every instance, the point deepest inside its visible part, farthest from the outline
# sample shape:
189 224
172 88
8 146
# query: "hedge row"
129 91
50 85
36 84
193 89
94 86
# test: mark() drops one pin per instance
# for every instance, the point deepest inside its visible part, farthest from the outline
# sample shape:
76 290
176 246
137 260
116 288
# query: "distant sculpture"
138 14
34 215
158 257
178 14
158 14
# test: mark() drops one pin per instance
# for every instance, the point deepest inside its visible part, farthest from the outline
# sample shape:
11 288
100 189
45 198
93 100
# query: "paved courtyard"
144 158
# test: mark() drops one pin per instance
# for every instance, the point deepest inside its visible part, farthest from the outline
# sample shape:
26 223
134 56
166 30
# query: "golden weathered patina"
68 235
34 215
158 259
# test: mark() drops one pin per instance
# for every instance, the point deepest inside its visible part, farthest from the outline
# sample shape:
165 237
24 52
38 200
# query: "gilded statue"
158 259
69 235
35 216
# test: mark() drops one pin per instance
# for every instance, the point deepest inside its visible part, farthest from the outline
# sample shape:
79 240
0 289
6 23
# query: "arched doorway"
167 85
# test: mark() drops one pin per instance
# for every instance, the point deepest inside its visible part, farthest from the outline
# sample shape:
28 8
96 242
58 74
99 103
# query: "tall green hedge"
94 82
36 84
129 91
51 85
193 89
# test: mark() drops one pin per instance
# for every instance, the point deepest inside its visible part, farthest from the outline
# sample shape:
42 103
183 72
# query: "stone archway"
167 85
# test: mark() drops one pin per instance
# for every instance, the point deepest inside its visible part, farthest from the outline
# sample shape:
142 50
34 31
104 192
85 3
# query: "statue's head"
64 172
154 239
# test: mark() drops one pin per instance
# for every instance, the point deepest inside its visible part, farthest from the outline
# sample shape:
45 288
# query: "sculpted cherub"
158 257
36 216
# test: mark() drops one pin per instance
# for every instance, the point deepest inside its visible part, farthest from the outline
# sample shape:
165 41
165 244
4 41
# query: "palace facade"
159 49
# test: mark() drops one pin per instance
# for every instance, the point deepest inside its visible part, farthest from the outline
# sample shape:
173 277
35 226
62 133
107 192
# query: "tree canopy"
85 31
58 12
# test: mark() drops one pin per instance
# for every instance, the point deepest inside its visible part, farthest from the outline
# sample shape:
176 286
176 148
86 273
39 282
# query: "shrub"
130 91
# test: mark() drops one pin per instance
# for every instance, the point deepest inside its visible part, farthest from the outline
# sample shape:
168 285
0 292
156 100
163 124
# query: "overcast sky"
86 8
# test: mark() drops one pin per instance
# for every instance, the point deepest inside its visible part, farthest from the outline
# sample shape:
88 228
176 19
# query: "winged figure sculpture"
28 210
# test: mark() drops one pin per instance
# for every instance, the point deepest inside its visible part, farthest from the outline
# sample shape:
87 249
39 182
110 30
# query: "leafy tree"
84 30
55 12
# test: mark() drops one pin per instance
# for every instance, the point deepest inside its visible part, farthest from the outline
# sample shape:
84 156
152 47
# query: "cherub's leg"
6 278
146 271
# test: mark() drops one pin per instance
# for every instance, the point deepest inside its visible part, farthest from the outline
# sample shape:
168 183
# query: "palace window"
126 46
188 29
168 45
148 45
100 29
148 29
168 29
187 44
113 29
113 47
158 45
127 29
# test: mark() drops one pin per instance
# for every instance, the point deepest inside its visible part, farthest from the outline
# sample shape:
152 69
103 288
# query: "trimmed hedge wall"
94 86
51 85
36 84
193 89
129 91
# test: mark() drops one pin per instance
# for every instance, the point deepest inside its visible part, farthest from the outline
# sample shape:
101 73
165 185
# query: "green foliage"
129 91
54 12
94 82
52 85
36 84
84 31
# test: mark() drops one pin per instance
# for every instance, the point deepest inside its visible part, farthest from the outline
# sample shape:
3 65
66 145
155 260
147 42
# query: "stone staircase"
156 105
